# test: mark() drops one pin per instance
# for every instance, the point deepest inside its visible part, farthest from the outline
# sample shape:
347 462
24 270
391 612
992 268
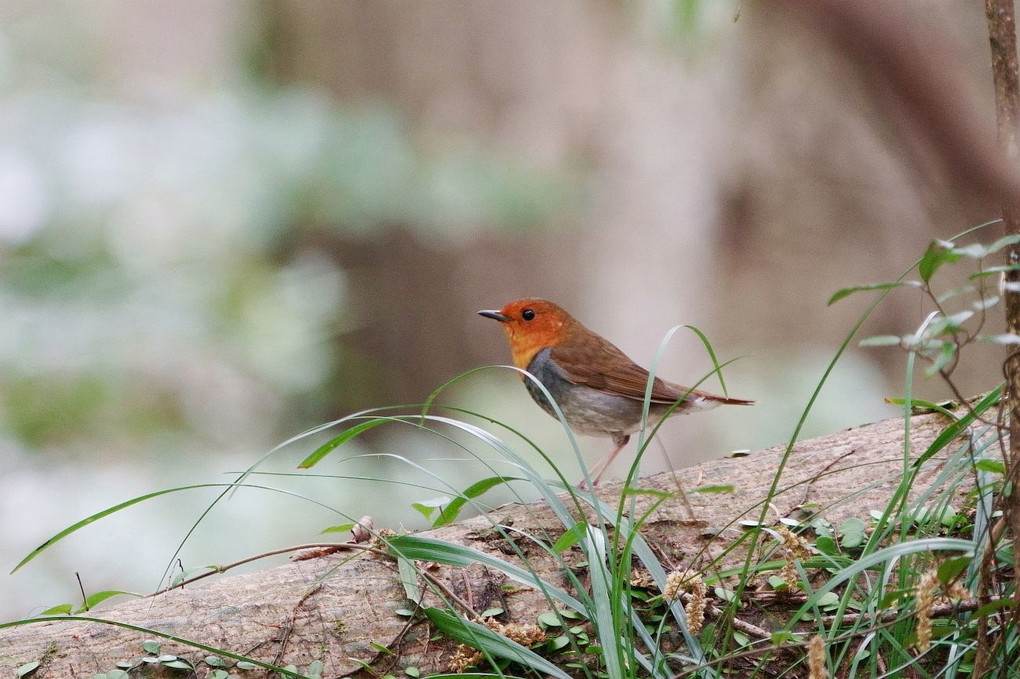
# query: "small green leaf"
181 576
492 612
94 600
62 609
920 406
1001 338
939 252
245 665
978 251
646 492
412 672
215 661
821 527
556 643
424 510
178 664
218 674
828 600
428 507
955 292
948 516
779 638
718 488
852 532
993 270
334 443
342 528
948 324
409 579
28 668
852 540
450 513
891 599
950 568
945 356
852 525
151 646
985 303
883 341
846 292
570 538
725 594
434 503
549 619
991 466
826 545
993 607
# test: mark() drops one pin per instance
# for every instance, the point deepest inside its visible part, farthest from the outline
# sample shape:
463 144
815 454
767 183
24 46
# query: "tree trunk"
341 608
1002 34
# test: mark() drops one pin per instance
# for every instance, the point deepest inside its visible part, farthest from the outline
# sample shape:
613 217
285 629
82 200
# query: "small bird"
600 391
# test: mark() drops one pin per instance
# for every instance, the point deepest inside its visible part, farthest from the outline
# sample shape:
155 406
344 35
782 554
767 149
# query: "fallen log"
349 609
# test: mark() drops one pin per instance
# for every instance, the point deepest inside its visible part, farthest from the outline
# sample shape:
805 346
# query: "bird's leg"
600 467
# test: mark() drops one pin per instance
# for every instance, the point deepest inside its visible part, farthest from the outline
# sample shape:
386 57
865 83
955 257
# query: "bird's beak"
492 313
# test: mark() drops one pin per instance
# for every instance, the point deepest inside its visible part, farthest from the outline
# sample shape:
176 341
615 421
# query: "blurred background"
223 222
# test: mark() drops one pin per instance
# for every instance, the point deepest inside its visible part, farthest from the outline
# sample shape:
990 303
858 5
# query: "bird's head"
531 325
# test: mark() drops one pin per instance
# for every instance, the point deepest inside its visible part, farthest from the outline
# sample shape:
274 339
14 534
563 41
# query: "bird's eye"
528 314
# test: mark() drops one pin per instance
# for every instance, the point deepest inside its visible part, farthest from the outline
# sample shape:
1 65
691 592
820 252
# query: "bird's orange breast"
527 340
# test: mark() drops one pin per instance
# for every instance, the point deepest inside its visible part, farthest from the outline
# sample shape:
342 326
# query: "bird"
599 390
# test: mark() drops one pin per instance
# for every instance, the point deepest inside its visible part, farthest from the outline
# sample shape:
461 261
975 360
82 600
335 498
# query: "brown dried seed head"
816 658
927 588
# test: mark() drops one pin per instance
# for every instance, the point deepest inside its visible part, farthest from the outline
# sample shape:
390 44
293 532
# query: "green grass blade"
156 633
337 441
93 600
428 549
602 595
148 496
409 580
846 292
957 427
487 641
450 512
104 513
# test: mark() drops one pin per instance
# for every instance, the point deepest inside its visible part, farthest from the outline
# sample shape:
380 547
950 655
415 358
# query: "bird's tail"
701 400
735 401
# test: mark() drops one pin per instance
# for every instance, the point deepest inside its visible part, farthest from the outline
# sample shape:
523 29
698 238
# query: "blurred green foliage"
159 276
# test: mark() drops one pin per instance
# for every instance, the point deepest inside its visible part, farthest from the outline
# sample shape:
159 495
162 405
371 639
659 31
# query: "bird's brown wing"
606 368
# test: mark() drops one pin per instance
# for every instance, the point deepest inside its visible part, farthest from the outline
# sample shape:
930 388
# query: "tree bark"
334 608
1006 75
